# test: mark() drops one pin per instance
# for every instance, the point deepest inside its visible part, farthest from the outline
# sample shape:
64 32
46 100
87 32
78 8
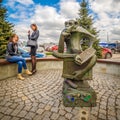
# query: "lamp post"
107 35
108 38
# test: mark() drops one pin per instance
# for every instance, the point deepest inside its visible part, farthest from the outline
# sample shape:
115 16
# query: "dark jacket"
34 35
12 49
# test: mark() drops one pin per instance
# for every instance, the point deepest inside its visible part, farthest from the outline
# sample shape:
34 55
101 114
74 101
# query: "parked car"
106 53
54 47
115 47
26 54
103 44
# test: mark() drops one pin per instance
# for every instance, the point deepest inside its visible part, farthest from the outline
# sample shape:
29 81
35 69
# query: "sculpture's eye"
66 24
76 23
70 23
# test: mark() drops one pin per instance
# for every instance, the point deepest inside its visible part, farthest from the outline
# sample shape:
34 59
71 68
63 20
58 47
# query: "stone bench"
108 66
103 65
8 69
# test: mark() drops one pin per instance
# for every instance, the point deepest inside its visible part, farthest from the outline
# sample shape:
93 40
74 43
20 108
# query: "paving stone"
118 114
46 118
22 114
41 105
37 117
24 98
68 109
30 115
62 112
111 112
54 109
102 111
15 118
3 109
62 118
14 105
15 112
102 116
111 118
68 116
1 115
6 118
47 107
34 109
92 117
47 114
8 111
27 108
54 116
40 111
39 97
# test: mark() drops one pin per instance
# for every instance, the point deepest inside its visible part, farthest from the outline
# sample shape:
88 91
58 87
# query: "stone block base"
82 96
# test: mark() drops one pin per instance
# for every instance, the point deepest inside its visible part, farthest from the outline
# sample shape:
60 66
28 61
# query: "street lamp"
108 37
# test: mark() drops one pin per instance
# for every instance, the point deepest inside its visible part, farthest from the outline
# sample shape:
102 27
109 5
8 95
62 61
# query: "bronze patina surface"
77 65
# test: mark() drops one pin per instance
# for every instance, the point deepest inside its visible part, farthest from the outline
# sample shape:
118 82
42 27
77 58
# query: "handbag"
31 43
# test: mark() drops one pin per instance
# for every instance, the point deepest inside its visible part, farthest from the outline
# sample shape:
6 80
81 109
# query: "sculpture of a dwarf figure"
77 65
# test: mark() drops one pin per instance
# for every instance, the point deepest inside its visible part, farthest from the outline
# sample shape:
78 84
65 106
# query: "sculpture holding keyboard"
77 65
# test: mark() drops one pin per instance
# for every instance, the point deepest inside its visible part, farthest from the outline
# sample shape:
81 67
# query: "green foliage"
48 53
5 29
86 21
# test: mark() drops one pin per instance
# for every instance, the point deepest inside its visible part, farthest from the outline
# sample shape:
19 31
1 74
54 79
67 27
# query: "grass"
48 53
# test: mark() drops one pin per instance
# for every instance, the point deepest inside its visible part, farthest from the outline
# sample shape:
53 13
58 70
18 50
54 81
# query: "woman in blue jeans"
13 56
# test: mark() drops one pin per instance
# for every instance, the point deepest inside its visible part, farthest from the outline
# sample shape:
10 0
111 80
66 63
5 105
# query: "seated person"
13 56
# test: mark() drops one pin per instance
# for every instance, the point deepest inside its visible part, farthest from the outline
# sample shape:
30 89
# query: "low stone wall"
10 69
108 66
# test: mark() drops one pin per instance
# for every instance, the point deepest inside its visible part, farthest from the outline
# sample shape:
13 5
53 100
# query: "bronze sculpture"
77 65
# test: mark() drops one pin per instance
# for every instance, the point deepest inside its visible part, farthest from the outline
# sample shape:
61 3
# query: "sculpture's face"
70 26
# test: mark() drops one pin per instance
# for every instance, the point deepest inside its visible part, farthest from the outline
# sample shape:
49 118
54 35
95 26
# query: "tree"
5 29
86 21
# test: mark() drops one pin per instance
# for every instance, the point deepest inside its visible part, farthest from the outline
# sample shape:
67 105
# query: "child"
13 56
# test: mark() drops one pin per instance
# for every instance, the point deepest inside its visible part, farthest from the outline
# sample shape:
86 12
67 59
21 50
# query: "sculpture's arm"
80 73
63 55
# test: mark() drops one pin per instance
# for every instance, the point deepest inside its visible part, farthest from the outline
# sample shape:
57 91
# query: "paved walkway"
39 97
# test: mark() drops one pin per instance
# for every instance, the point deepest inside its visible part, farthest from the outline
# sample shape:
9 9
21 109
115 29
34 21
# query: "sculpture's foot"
71 83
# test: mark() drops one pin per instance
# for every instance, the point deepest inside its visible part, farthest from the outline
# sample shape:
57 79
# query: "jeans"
19 60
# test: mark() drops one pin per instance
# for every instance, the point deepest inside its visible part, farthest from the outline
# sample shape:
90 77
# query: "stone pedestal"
82 96
77 93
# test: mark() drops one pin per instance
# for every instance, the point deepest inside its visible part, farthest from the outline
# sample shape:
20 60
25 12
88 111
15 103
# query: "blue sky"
12 7
51 15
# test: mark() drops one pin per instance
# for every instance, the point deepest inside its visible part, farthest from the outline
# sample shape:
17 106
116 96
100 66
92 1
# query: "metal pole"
108 38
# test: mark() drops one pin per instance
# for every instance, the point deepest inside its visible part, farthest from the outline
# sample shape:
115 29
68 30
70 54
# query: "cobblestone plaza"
39 97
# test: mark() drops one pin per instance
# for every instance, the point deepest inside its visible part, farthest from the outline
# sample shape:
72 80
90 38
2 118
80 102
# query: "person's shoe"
34 71
19 76
28 72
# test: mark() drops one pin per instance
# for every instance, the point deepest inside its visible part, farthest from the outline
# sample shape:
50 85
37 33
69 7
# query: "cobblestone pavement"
39 97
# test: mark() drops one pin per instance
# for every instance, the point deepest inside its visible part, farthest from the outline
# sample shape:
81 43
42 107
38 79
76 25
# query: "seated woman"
13 56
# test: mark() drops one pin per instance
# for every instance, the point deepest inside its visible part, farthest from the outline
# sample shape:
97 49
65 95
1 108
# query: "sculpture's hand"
77 75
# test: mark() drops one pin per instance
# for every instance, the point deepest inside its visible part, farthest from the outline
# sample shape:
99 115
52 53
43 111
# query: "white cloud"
69 8
22 30
11 3
25 2
51 21
109 18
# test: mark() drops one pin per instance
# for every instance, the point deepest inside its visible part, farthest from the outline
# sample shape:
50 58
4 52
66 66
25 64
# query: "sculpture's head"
70 26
